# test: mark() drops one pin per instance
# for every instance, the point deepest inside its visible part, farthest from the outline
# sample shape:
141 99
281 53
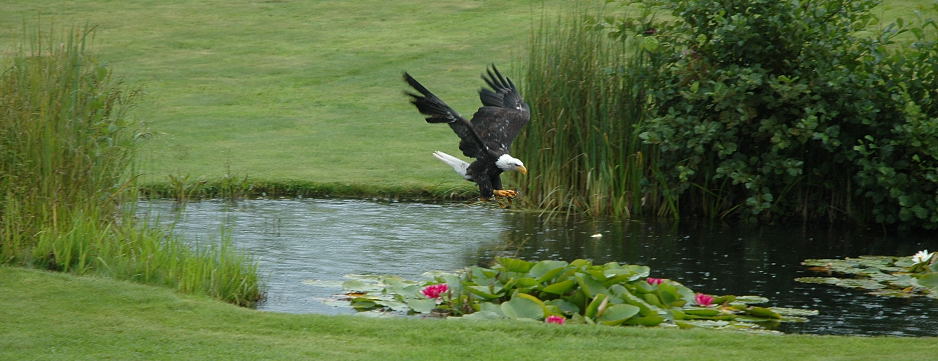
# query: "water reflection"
297 240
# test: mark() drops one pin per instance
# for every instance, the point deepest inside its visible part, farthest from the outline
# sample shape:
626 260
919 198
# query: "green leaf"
929 280
564 306
544 271
514 264
617 314
483 291
700 311
593 308
590 286
649 320
421 305
560 288
763 312
523 305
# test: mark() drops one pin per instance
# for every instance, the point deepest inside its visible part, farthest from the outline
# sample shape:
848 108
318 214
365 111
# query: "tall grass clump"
66 189
588 92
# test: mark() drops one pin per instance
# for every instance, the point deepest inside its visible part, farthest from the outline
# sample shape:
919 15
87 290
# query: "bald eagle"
487 137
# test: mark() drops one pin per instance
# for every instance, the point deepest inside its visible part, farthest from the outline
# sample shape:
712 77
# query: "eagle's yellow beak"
522 169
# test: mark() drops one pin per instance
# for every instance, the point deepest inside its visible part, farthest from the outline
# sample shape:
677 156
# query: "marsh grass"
66 188
588 92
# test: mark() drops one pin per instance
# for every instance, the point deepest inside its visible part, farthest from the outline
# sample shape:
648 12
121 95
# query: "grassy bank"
49 316
67 190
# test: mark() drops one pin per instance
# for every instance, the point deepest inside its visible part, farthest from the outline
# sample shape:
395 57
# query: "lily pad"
524 306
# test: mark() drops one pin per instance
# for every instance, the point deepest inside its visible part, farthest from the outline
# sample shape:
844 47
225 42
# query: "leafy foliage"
579 291
879 275
772 109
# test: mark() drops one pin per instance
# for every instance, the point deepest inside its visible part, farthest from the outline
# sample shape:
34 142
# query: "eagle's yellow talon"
508 193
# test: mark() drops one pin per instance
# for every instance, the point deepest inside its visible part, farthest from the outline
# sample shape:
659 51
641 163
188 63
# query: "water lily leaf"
590 286
581 263
763 312
749 300
514 264
364 303
669 295
619 273
929 280
360 286
703 324
701 311
563 305
593 308
481 315
652 299
544 271
523 305
560 288
844 282
793 312
634 300
421 305
648 320
483 291
526 282
617 314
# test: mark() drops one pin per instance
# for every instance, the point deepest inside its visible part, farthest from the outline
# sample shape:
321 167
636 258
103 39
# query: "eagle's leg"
498 191
485 192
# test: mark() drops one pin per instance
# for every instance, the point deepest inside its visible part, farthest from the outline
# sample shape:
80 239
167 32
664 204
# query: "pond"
314 239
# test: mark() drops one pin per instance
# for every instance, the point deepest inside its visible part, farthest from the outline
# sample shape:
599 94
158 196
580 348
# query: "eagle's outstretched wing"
470 143
503 113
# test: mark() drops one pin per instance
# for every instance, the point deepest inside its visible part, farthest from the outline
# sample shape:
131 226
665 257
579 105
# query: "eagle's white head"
507 163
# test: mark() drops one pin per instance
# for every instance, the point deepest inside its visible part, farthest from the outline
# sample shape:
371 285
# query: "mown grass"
48 316
303 92
67 189
296 91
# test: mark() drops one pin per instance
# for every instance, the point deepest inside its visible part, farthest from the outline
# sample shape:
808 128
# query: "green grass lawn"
53 316
295 90
301 90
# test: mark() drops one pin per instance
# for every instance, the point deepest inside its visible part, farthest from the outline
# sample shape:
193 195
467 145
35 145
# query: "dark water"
300 240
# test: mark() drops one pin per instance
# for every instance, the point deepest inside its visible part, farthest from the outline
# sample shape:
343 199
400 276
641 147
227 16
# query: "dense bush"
775 109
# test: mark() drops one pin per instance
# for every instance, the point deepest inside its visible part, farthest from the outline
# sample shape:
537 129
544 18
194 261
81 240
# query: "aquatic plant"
576 292
880 275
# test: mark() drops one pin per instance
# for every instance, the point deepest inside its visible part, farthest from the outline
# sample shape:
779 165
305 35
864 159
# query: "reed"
588 93
66 189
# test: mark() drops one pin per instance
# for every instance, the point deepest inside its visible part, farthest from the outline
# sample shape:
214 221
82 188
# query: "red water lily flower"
555 319
654 281
704 300
434 291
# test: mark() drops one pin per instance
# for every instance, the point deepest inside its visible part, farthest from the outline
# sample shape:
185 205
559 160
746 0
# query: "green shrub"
771 109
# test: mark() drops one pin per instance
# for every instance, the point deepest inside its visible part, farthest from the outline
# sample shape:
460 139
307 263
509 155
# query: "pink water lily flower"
704 300
654 281
555 319
434 291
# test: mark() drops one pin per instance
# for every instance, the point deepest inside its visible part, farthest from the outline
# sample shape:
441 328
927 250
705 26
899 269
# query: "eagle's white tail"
458 165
